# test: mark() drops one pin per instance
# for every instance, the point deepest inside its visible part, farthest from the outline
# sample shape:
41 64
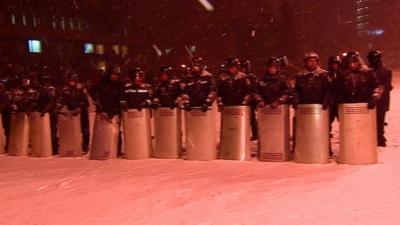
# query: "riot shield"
137 134
235 133
200 135
312 134
274 133
167 131
358 141
70 135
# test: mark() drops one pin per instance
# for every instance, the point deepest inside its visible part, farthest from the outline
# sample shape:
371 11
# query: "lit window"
115 48
54 22
193 48
13 19
35 46
71 24
62 24
101 65
100 49
89 48
34 20
24 20
377 32
124 50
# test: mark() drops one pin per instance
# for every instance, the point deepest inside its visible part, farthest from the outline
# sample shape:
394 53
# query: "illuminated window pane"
89 48
62 23
124 50
71 24
54 22
100 49
13 19
115 48
193 48
35 46
34 21
24 20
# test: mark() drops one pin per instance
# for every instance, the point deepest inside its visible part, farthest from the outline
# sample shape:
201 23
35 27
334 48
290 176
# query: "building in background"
86 34
63 35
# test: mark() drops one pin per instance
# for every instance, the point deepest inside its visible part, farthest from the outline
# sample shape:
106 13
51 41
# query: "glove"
186 102
204 107
76 112
274 104
144 105
59 106
283 99
63 110
295 102
246 100
155 104
188 107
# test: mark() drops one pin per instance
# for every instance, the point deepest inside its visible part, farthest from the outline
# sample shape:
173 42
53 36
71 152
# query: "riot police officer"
236 87
72 96
136 101
199 94
168 90
273 114
137 93
334 72
23 96
384 76
312 118
46 103
272 88
199 89
359 93
4 97
245 67
358 84
108 92
235 92
22 103
312 85
4 104
74 100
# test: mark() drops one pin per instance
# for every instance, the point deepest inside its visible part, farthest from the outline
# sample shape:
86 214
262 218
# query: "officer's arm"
212 96
389 81
51 104
84 100
150 97
4 102
327 89
284 88
294 92
378 88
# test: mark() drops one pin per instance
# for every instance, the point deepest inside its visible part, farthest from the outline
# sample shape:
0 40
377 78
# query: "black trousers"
85 129
380 122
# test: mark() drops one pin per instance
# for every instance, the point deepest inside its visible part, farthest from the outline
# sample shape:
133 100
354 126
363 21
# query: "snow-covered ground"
79 191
